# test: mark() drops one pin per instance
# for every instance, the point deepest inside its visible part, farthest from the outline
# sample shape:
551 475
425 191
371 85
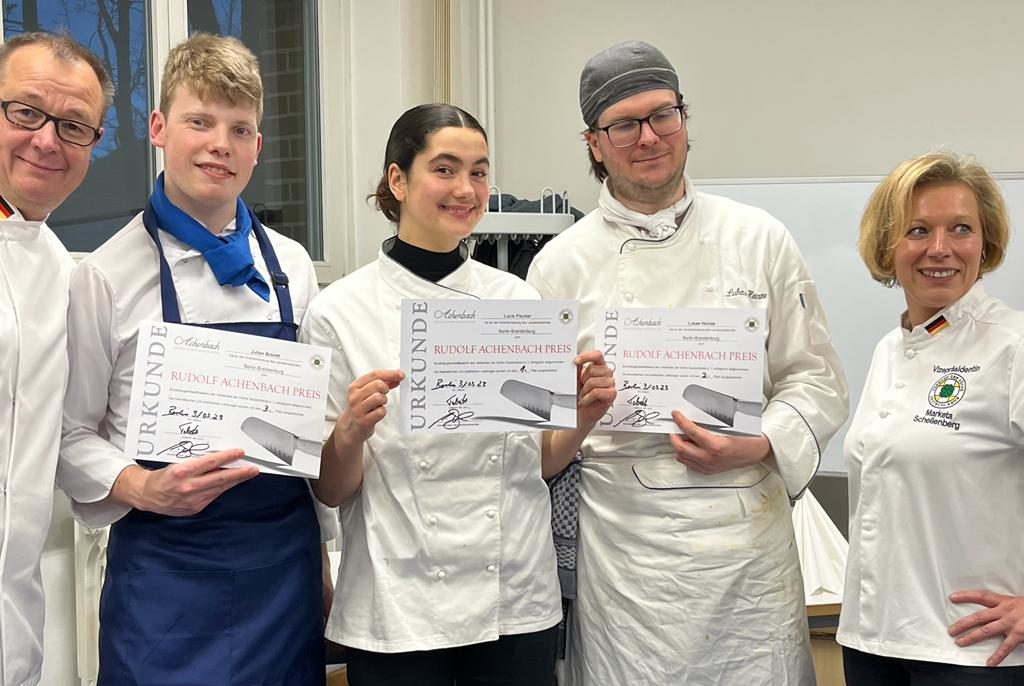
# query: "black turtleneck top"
426 264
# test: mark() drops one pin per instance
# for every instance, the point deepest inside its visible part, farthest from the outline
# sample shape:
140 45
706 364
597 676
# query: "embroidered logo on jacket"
947 391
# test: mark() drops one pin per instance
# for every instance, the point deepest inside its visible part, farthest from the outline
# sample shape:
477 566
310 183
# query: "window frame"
167 22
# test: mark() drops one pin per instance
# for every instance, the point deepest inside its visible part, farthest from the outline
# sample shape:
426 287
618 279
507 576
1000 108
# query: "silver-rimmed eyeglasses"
32 118
626 132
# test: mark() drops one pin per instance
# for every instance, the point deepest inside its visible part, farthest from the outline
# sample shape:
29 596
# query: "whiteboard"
823 216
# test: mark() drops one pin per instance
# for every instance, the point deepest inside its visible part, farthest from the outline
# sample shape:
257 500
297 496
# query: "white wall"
392 69
791 88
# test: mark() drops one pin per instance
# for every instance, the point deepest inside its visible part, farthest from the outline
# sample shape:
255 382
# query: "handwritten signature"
188 428
454 418
457 399
639 418
186 448
637 401
175 411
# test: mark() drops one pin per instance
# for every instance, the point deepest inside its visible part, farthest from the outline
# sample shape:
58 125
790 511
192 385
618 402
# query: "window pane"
285 188
118 182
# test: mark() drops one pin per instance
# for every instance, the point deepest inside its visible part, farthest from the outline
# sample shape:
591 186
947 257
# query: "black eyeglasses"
33 119
626 132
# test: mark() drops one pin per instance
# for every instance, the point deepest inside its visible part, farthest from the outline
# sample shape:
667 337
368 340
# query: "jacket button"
423 465
631 248
900 384
491 568
491 514
432 520
710 288
627 296
883 413
493 459
910 354
441 574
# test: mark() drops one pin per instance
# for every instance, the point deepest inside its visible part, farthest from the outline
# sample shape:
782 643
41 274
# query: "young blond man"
213 576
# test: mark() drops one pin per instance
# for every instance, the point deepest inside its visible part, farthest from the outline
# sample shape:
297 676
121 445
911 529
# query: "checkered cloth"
565 514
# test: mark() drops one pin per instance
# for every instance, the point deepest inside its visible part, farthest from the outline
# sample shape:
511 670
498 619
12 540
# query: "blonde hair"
218 68
887 214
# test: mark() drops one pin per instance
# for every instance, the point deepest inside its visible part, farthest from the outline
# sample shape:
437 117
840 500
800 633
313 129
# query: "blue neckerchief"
228 256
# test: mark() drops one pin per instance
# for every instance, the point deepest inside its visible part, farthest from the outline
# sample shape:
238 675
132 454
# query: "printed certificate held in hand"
199 390
488 365
707 363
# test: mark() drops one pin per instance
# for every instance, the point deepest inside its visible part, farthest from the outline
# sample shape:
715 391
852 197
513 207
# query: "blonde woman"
935 453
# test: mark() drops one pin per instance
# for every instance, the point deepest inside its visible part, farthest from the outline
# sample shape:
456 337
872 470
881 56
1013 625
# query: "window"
284 190
132 38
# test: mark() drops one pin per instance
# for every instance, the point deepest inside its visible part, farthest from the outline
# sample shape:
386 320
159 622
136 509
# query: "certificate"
198 390
707 363
488 365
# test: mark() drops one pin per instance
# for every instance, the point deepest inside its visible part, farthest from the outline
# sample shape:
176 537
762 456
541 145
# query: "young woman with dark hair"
448 571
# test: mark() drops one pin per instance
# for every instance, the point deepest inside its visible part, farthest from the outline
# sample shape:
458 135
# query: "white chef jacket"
113 290
448 541
935 456
684 577
34 272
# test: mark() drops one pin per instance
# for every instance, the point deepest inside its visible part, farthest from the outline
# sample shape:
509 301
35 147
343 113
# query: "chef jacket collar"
13 226
413 286
946 319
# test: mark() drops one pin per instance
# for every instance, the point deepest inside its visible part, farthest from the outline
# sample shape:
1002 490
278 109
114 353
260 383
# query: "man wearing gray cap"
687 567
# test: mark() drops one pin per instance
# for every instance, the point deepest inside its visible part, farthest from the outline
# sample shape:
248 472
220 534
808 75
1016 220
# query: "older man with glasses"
687 567
44 79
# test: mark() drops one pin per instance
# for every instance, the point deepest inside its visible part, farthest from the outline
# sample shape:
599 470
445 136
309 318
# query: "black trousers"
515 660
865 669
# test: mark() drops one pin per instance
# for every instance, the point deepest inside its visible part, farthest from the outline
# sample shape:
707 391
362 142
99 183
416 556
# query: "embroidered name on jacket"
745 293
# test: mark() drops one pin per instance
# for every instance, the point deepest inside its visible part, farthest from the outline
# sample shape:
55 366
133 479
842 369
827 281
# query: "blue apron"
227 597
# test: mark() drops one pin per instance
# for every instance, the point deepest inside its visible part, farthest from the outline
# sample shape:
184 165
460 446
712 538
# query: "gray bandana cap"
621 71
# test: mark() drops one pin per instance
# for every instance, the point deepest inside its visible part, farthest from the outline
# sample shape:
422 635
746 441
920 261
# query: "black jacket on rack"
521 251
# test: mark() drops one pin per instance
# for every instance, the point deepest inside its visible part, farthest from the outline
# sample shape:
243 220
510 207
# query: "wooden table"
826 653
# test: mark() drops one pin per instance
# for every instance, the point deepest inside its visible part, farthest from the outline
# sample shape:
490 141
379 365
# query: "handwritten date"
175 411
628 385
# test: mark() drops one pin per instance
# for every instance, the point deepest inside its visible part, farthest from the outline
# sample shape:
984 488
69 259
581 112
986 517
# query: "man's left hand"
1003 616
711 453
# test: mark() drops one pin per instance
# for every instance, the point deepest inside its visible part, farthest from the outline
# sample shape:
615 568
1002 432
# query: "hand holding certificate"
707 363
199 390
488 365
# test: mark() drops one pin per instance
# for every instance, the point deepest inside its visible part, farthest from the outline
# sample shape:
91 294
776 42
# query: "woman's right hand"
367 398
341 467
